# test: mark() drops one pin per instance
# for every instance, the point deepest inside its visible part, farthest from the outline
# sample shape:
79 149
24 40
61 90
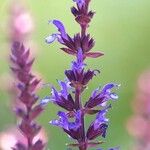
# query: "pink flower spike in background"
10 137
139 123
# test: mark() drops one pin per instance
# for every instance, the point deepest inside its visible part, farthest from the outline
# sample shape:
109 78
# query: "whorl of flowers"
69 97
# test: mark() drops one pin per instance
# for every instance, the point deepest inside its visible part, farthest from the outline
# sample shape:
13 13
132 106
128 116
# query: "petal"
45 101
102 113
114 96
78 118
62 122
75 125
106 91
62 116
78 64
80 3
60 27
64 88
100 118
55 94
95 92
55 122
80 56
50 39
108 86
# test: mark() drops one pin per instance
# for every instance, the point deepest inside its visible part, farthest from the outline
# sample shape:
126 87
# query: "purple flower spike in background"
27 84
72 120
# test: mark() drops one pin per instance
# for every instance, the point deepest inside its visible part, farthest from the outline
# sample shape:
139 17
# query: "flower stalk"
78 92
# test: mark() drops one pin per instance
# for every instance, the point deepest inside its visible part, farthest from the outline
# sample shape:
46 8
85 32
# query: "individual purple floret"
77 78
71 128
61 98
27 84
101 97
99 125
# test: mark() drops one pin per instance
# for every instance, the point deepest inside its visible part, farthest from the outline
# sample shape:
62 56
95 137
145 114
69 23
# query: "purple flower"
101 118
61 98
100 97
99 125
59 25
71 128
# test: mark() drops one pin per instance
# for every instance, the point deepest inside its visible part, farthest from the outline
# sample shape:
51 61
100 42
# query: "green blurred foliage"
121 29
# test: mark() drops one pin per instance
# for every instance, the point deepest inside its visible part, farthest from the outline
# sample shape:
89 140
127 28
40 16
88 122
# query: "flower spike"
70 97
27 83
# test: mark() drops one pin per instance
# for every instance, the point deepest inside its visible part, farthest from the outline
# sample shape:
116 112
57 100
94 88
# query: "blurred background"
121 29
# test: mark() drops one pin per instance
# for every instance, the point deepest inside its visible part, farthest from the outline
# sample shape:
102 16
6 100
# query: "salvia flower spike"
27 84
77 78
